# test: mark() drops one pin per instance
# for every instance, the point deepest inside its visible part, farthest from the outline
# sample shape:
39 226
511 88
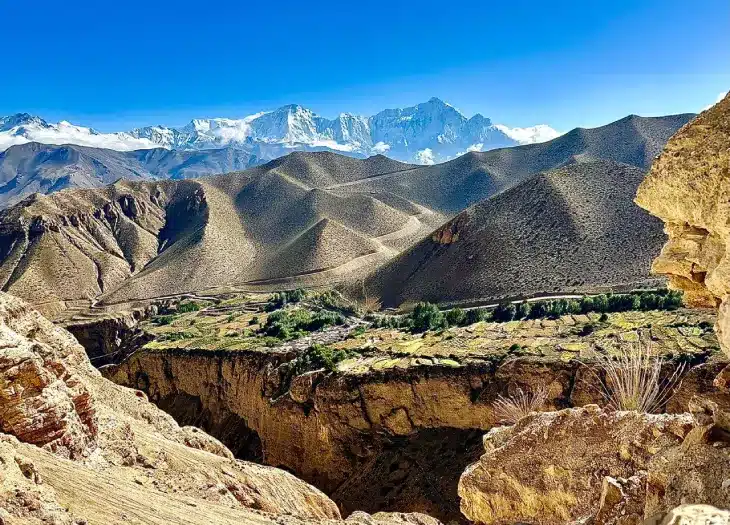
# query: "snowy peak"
21 119
429 132
531 135
23 128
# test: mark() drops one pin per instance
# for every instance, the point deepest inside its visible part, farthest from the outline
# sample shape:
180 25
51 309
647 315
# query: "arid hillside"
571 229
314 219
149 239
452 186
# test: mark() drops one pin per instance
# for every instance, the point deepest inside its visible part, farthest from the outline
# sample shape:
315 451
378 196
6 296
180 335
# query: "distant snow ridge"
23 128
531 135
426 133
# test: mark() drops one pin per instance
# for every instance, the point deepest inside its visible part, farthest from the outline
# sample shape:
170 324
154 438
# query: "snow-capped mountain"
23 128
430 132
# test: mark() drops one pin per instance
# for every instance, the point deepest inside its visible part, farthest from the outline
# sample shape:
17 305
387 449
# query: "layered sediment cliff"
76 448
688 187
395 438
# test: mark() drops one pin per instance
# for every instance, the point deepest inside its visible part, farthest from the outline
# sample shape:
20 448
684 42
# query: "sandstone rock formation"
75 448
394 428
561 467
688 187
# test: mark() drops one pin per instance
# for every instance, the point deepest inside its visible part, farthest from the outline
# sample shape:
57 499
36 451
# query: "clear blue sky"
114 65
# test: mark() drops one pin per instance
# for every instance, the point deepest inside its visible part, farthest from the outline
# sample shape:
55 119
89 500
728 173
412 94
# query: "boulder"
561 467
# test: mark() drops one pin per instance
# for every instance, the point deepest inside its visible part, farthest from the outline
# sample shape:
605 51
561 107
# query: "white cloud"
531 135
66 133
425 156
381 147
719 98
475 147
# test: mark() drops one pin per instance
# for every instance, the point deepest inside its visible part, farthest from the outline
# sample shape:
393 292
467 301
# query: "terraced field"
239 323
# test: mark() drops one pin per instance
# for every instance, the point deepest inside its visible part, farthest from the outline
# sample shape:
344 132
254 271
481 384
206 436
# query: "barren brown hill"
452 186
139 240
571 229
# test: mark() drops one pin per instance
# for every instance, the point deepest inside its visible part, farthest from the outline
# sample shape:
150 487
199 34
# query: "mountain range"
430 132
33 167
320 218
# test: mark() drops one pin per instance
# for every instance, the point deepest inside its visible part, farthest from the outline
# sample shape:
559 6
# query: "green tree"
523 310
427 316
456 317
504 312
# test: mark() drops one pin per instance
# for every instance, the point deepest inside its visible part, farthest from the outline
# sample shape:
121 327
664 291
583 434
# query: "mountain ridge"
434 127
571 229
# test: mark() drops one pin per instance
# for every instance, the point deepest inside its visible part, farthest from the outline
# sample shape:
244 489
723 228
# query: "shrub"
287 324
586 305
161 320
315 357
600 303
426 316
186 307
510 409
603 318
322 319
280 299
572 306
538 310
254 320
456 317
633 380
523 310
475 315
360 330
504 312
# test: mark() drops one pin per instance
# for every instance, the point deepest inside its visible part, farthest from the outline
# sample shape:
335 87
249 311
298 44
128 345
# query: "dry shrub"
512 408
632 380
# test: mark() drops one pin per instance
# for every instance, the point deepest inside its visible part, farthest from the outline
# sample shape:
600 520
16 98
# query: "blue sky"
116 65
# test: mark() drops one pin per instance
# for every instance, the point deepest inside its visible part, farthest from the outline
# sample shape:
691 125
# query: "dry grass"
514 407
633 380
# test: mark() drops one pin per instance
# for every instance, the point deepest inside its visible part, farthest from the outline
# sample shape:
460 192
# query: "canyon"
304 407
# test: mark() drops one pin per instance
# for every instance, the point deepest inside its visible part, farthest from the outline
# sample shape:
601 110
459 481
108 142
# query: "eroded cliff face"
380 440
688 187
589 464
76 448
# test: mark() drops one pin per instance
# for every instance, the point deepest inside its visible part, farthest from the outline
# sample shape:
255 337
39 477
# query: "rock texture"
75 448
43 399
688 187
393 430
578 464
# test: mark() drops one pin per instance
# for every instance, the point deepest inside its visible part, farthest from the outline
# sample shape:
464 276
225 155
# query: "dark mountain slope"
33 167
454 185
571 229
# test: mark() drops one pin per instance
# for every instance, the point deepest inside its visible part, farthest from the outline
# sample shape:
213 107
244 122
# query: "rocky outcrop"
688 187
561 467
110 336
128 461
376 440
43 399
